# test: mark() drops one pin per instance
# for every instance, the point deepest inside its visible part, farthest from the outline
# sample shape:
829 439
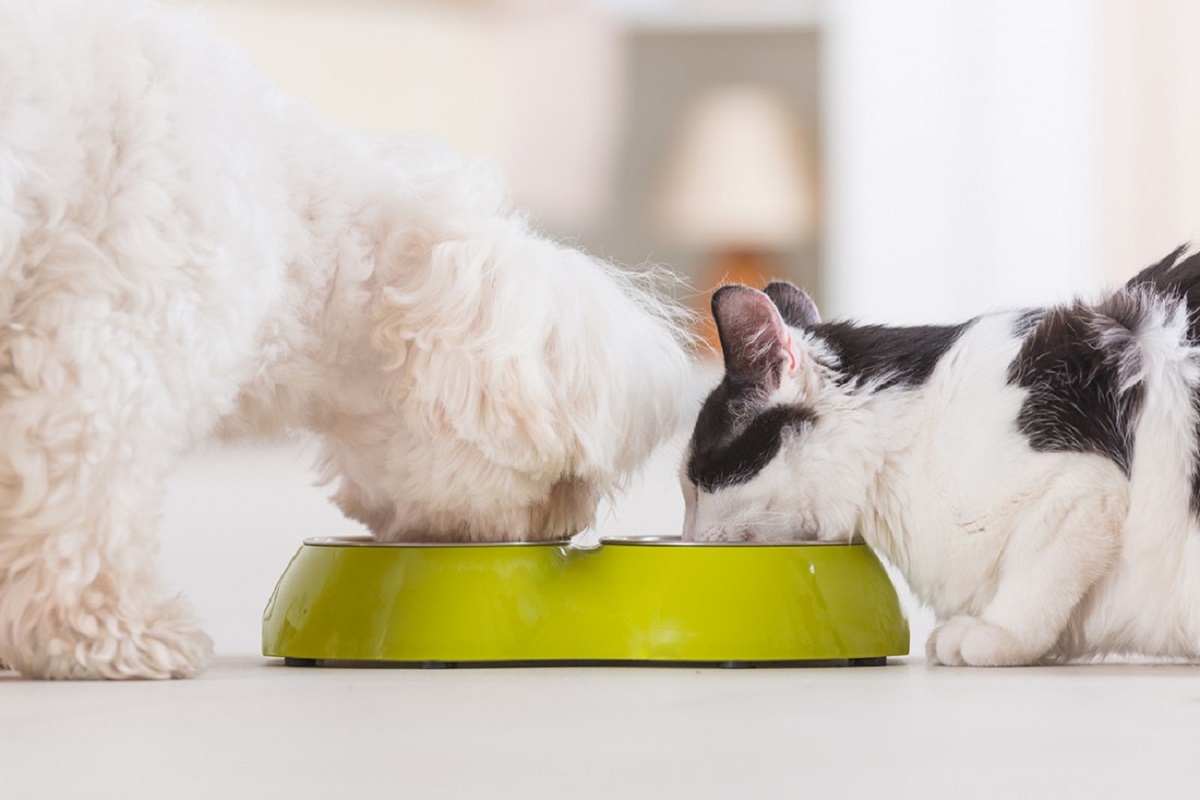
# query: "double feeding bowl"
641 600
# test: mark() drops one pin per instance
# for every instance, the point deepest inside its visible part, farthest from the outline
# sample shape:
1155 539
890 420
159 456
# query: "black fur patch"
1195 504
733 441
1027 321
1178 275
888 356
1071 364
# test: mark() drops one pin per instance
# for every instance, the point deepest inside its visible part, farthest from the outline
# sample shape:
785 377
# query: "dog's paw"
162 642
971 642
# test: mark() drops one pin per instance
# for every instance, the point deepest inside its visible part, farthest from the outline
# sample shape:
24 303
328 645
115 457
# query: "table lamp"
736 188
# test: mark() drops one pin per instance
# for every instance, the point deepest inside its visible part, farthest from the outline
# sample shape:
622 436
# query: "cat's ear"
754 340
794 304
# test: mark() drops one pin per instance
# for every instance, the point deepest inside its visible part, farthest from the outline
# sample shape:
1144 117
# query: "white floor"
253 729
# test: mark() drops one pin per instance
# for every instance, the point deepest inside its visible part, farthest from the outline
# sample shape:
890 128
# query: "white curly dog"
184 251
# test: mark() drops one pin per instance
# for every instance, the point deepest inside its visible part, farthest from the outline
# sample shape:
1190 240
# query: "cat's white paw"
971 642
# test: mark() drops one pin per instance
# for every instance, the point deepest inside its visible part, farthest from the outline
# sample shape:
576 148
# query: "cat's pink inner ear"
754 340
792 354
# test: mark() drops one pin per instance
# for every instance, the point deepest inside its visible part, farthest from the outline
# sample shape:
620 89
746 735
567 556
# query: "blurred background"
904 160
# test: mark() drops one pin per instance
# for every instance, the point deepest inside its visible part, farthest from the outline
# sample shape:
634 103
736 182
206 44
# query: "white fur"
183 250
1024 556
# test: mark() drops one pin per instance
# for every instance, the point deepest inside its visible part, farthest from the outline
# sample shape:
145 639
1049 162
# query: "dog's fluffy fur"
183 250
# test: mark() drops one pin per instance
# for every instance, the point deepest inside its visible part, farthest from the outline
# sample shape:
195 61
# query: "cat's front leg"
970 641
1058 549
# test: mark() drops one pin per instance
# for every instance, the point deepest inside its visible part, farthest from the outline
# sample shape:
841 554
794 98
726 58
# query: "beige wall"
377 66
535 88
1149 129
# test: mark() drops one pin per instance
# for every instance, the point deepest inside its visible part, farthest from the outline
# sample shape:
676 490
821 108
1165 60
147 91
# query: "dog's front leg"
87 432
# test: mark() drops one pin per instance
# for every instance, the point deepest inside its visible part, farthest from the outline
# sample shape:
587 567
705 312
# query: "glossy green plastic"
624 601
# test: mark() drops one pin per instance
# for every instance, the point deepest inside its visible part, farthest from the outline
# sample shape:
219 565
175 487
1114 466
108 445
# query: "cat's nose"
746 535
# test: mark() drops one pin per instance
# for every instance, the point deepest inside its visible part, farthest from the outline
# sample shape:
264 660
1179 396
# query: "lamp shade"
736 176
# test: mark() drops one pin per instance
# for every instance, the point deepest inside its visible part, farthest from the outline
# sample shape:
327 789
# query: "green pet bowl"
636 600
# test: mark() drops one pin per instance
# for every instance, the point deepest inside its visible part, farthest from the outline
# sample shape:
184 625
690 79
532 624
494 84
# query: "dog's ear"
466 356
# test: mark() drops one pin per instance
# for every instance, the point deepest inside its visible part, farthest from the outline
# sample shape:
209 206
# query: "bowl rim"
368 541
365 541
677 541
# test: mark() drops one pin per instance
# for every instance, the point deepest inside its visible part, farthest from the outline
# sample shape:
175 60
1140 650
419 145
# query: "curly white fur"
184 250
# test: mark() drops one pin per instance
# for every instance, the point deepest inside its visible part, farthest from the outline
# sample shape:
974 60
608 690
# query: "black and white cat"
1033 474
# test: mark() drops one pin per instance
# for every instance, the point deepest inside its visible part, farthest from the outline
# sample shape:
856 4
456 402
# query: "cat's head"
747 472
